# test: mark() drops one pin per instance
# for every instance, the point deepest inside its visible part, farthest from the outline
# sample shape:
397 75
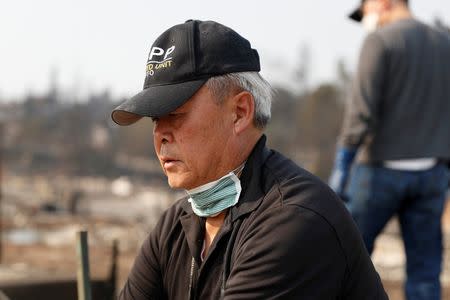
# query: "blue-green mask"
210 199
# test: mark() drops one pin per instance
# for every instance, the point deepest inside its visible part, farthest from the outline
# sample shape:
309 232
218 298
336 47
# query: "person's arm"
363 109
288 253
341 170
145 279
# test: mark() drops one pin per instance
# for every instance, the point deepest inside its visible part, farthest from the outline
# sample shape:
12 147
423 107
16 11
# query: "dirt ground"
56 262
41 260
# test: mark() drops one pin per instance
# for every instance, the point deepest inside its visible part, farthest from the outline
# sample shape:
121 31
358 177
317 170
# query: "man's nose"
162 132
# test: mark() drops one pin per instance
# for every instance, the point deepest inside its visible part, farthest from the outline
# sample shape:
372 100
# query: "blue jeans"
417 197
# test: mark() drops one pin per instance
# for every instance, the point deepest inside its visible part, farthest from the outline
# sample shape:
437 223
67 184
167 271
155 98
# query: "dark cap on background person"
180 61
357 14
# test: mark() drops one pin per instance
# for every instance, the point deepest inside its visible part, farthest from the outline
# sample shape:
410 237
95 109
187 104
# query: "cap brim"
155 101
356 15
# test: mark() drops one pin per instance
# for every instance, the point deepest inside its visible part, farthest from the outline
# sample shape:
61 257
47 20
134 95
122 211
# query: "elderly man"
398 121
253 225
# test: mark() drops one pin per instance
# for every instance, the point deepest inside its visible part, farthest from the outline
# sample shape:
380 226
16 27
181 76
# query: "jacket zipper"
191 291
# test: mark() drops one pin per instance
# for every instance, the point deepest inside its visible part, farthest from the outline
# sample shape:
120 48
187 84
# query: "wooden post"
83 281
111 293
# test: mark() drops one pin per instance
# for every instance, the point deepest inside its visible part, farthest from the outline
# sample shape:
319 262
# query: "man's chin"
177 183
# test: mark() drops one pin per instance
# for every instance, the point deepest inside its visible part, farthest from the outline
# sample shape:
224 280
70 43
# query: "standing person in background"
398 120
253 225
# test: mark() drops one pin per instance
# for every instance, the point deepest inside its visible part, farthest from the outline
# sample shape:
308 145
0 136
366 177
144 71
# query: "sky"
87 46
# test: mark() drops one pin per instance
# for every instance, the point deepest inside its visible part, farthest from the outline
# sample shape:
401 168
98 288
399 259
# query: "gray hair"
252 82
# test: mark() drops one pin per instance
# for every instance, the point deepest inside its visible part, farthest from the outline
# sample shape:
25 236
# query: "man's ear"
244 111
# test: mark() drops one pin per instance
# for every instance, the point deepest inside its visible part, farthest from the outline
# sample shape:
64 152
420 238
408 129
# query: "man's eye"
175 115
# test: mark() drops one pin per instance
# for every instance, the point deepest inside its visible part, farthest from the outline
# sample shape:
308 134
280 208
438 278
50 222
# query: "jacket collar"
252 193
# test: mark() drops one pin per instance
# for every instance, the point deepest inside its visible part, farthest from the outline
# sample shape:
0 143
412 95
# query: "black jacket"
289 237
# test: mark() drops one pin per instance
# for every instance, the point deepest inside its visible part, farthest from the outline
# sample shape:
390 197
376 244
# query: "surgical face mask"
370 22
210 199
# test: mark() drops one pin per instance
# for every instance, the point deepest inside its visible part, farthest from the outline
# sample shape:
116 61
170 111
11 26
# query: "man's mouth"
169 162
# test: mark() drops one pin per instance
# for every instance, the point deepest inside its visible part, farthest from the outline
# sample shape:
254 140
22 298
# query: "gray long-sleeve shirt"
400 104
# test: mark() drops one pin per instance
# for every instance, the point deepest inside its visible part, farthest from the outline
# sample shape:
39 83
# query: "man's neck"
213 224
212 227
400 12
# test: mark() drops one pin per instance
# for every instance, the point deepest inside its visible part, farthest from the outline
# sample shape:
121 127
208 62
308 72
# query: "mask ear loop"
238 170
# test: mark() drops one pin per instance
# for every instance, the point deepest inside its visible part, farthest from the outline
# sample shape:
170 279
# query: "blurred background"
65 166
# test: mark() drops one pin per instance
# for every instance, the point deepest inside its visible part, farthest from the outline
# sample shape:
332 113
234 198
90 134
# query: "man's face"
371 6
377 7
192 142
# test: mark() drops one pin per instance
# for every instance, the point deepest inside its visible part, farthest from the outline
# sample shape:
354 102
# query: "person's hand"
341 171
448 166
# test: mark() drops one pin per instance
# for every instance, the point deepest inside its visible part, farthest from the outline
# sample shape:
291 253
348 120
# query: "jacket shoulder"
296 185
312 205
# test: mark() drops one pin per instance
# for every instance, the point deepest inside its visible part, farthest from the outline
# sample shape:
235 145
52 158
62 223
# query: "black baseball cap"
357 14
180 61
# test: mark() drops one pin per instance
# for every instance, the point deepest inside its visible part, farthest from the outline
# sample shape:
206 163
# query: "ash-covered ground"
40 222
